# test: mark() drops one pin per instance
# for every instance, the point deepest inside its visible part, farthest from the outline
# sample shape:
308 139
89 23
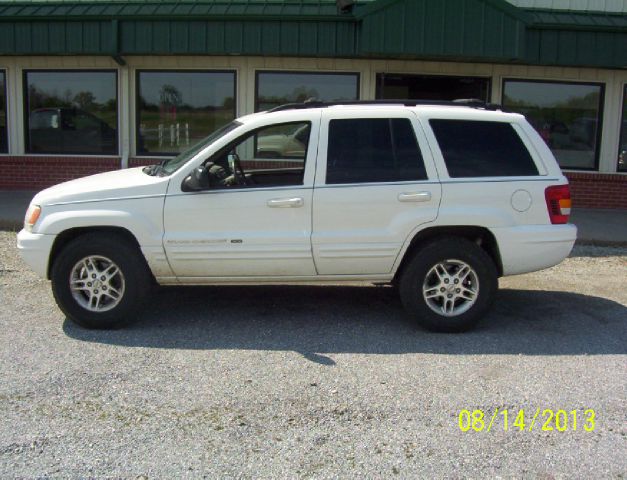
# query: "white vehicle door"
255 219
375 184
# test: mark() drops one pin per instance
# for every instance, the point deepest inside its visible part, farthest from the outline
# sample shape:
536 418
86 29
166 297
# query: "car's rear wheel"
99 280
449 284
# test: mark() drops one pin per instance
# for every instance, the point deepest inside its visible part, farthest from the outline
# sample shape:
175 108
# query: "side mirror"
197 180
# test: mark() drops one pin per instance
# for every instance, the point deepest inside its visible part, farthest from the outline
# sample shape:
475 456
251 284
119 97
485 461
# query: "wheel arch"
66 236
482 236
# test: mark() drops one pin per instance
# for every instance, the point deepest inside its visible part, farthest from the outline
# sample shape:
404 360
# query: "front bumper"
528 248
35 250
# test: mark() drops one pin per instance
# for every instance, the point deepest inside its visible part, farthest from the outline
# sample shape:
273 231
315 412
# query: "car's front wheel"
449 284
99 280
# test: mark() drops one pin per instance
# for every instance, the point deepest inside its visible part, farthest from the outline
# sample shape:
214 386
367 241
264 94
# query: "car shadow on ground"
314 320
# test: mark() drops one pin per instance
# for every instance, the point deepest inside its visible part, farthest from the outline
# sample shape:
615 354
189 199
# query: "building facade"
90 86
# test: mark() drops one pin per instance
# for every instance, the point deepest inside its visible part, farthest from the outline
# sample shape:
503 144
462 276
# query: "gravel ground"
315 382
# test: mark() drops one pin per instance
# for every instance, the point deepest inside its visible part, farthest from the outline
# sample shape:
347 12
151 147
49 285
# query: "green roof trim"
453 30
572 20
248 10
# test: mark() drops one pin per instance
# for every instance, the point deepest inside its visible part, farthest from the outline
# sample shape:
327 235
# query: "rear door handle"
414 197
286 202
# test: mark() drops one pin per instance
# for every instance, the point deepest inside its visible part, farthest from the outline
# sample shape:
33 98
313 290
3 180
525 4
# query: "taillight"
558 203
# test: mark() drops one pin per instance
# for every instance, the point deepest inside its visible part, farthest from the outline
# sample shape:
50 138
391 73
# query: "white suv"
438 200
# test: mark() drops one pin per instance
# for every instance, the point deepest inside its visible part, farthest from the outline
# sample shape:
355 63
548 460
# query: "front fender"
142 218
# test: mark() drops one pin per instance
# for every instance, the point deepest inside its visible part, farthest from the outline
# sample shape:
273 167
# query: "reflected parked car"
622 155
583 130
579 134
70 130
3 138
555 134
284 145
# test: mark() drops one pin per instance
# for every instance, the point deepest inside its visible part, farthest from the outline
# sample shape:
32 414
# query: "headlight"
32 215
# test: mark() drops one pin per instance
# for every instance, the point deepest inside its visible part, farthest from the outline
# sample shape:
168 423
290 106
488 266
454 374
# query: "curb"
11 225
600 243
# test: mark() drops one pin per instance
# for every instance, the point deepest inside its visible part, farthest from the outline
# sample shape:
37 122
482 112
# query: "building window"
4 145
177 109
431 87
566 115
71 112
278 88
622 152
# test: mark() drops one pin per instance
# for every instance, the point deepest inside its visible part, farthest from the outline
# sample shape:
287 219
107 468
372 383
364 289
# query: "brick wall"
598 190
36 173
589 190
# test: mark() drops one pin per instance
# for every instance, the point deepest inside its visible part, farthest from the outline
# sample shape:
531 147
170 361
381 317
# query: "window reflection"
3 115
279 88
622 151
72 112
566 115
176 109
431 87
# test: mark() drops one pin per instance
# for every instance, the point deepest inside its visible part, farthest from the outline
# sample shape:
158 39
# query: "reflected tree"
170 98
85 100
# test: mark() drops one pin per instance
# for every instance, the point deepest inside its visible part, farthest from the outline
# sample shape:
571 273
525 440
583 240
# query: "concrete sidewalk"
600 226
597 226
13 205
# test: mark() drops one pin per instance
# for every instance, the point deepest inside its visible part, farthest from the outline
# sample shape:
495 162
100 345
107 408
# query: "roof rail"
463 102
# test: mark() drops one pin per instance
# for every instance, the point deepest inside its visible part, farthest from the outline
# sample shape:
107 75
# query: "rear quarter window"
482 149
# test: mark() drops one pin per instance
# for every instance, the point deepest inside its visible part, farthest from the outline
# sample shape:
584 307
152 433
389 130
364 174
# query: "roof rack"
461 102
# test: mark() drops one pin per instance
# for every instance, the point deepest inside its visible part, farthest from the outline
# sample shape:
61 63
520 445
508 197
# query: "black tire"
135 278
418 273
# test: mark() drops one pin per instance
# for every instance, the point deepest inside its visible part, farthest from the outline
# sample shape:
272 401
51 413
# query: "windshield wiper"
156 169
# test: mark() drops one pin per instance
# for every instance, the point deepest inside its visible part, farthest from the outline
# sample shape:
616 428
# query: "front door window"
271 156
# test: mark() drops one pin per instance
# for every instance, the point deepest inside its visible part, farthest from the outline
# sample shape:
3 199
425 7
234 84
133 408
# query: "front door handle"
414 197
286 202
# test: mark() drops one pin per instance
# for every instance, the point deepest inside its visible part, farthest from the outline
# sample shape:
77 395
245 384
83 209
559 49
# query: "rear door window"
482 149
370 150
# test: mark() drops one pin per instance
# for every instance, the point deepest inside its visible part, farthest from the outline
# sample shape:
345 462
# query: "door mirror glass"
197 180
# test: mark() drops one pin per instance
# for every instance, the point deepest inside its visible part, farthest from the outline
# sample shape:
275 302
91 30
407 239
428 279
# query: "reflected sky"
546 94
197 89
328 87
101 84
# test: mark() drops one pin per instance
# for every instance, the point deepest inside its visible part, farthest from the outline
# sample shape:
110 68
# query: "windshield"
171 165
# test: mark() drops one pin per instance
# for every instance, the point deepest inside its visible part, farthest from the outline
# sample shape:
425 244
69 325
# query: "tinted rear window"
373 150
482 149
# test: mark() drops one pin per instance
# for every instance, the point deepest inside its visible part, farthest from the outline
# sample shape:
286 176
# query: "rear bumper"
35 250
529 248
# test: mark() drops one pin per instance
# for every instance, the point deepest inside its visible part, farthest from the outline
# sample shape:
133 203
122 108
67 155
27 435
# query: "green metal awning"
468 30
577 39
456 29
